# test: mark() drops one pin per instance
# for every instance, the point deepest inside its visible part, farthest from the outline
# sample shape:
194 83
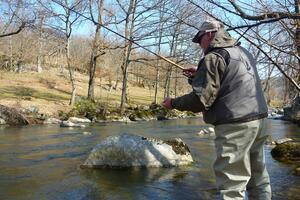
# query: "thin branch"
270 15
254 44
20 28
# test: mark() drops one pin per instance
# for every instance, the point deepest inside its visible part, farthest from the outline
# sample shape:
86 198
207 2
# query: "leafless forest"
119 40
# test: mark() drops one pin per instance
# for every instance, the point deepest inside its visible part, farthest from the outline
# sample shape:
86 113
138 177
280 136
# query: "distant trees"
44 33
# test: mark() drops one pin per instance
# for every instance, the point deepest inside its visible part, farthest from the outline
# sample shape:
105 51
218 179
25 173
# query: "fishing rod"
120 35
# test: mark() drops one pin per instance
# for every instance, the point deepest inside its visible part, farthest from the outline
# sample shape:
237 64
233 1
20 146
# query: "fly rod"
120 35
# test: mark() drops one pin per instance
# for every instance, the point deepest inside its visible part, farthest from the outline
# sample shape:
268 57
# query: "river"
41 162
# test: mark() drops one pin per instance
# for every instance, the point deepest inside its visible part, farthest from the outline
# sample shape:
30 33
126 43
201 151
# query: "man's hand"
167 103
190 72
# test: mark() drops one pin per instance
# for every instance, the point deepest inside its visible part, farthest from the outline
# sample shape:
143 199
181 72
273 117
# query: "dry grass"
50 91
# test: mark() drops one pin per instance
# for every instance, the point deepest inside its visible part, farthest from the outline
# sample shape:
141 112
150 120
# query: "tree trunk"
92 69
129 25
297 39
125 78
158 63
71 73
95 52
156 83
40 46
170 68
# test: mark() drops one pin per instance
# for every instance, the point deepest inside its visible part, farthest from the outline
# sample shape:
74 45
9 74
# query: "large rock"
287 152
12 117
128 150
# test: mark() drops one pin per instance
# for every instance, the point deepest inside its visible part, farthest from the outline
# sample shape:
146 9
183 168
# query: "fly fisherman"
227 90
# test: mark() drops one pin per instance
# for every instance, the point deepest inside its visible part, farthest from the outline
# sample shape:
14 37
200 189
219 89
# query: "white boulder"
79 120
70 124
127 150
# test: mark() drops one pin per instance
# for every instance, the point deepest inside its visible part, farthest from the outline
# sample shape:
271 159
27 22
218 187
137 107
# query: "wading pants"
240 163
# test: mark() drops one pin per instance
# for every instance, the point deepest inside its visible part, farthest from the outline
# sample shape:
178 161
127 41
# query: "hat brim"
198 36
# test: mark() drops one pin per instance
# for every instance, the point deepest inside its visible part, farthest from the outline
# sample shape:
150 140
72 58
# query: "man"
226 88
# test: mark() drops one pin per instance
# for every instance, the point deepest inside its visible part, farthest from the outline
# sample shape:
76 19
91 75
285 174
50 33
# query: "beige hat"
207 26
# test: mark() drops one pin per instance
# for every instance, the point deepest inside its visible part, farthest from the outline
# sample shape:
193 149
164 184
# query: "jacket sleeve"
188 102
205 84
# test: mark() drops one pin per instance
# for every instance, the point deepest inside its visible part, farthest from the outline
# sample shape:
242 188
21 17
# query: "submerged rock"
206 130
12 117
128 150
87 133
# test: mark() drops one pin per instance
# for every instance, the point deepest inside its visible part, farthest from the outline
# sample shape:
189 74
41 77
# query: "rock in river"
12 116
289 152
127 150
70 124
52 120
79 120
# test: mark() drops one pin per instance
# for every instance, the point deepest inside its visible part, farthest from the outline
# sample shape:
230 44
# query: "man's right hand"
190 72
167 103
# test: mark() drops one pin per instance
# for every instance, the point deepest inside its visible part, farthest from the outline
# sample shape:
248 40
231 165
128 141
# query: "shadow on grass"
51 85
21 91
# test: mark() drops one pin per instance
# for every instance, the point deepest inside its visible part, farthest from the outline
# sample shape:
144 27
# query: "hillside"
50 91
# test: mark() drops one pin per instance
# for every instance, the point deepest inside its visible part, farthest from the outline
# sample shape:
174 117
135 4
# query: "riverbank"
44 95
49 92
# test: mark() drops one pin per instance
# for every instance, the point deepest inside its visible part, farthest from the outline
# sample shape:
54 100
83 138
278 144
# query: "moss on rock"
178 146
286 152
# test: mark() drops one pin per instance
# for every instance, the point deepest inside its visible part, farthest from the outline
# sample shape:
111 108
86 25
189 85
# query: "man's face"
205 40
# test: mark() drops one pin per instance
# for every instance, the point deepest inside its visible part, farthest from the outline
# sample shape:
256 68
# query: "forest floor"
50 91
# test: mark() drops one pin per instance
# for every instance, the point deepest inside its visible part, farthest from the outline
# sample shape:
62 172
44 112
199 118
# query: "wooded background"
89 36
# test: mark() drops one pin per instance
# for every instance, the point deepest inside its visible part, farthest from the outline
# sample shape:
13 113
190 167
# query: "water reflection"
153 183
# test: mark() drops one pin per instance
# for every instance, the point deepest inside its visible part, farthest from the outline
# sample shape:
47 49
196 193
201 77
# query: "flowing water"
42 162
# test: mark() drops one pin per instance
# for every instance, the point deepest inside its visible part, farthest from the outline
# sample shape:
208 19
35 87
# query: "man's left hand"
167 103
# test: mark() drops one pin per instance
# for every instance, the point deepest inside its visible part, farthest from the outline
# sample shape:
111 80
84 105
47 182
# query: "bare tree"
67 15
159 44
15 16
129 27
96 46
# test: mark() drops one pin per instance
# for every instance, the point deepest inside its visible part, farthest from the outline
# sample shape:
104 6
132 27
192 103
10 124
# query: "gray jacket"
225 91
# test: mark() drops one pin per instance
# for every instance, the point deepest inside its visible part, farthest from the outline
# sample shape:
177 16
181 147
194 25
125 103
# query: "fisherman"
227 90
